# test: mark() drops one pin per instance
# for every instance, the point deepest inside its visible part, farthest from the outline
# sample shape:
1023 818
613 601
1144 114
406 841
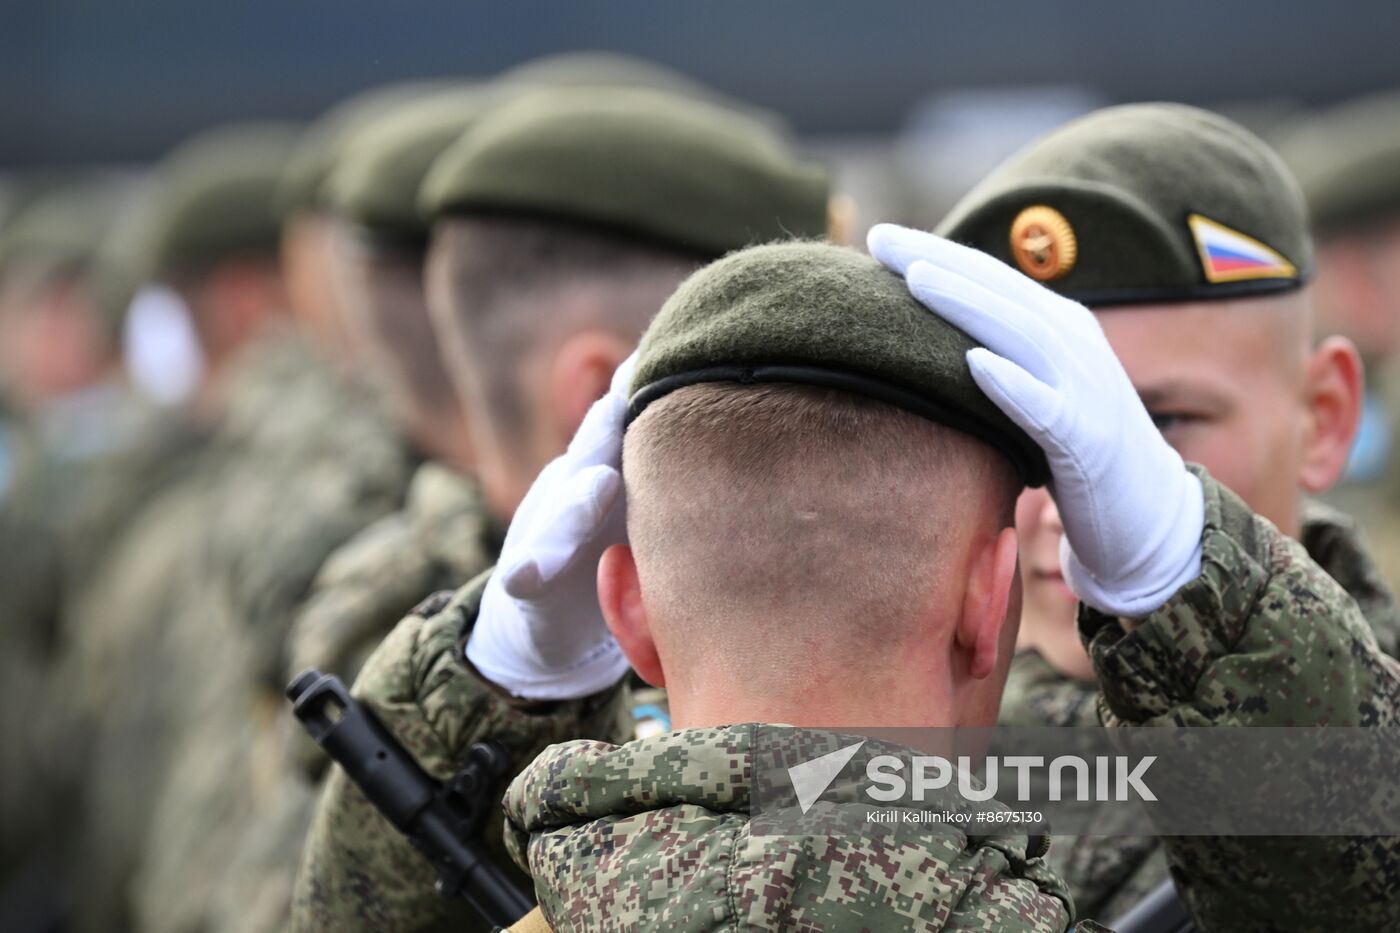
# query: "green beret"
59 232
1143 203
1348 162
213 199
600 70
670 169
375 181
817 314
302 186
603 70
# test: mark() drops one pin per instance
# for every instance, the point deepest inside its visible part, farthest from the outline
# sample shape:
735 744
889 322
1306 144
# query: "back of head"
379 249
820 518
520 286
1143 203
576 212
809 461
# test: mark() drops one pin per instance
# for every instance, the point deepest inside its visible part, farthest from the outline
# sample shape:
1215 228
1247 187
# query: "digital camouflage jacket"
1108 874
619 837
357 871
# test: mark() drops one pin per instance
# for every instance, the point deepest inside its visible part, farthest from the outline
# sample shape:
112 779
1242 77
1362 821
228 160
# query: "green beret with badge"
1143 203
374 182
213 199
822 315
668 169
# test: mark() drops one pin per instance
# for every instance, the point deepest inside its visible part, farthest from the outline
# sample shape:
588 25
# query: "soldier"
442 535
1346 160
563 219
792 531
208 230
83 429
1188 238
313 459
307 227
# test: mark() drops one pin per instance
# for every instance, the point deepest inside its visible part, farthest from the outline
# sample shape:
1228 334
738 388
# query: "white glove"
540 633
1133 514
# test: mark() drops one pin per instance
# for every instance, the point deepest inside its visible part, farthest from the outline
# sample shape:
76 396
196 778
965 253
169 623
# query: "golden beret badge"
1043 243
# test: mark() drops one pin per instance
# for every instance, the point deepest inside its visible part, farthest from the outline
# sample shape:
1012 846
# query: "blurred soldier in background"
563 220
207 230
439 538
1188 237
60 366
1348 161
308 227
312 458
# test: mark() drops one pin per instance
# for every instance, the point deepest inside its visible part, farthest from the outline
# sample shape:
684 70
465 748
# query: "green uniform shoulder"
441 538
658 831
356 867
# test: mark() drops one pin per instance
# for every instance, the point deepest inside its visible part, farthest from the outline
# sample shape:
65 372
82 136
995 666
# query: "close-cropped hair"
384 290
518 282
815 512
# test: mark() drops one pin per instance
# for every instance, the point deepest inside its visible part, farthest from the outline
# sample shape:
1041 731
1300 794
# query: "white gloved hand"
540 633
1133 514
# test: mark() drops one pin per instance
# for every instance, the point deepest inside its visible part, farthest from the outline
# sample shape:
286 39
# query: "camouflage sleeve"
357 872
1263 637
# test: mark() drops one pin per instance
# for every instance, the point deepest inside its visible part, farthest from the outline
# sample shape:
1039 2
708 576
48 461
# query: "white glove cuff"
1175 562
599 668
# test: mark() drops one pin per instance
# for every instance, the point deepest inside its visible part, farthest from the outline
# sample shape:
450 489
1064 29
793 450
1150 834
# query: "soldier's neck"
870 696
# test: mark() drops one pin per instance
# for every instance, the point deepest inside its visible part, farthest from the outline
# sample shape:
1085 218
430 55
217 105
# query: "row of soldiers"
406 314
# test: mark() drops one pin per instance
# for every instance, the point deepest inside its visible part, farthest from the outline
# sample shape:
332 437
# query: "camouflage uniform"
1261 637
1108 874
96 460
127 685
357 871
313 461
655 834
442 538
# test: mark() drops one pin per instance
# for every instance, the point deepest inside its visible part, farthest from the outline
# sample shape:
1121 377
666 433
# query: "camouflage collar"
576 782
657 833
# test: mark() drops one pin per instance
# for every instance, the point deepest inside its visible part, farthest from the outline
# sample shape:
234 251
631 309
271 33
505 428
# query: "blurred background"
938 90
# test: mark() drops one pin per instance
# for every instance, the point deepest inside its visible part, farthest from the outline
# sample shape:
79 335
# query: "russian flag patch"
1230 256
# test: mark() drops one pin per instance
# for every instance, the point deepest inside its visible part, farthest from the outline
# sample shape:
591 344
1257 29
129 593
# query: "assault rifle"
441 820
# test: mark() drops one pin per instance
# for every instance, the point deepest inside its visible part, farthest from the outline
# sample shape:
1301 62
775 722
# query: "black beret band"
855 383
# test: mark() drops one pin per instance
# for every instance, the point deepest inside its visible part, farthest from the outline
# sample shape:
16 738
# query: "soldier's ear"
1333 395
982 627
579 374
620 598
